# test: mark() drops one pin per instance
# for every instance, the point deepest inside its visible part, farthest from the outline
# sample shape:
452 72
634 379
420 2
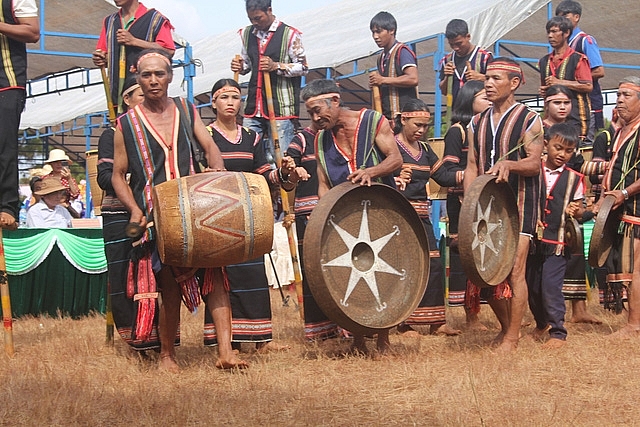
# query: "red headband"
508 67
152 55
410 114
631 86
224 90
557 97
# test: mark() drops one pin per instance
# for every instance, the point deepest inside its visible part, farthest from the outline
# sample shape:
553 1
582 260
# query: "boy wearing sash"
563 194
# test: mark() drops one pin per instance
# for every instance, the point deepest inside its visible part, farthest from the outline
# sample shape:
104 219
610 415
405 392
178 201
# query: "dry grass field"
63 374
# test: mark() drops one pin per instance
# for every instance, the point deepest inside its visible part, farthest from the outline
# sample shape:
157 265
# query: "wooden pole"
447 117
107 92
112 119
7 318
377 101
293 248
236 75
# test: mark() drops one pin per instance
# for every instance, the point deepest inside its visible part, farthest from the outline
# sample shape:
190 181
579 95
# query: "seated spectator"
59 162
48 212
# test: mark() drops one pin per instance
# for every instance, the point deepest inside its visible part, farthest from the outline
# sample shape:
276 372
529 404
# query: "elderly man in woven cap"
48 212
506 140
622 180
152 143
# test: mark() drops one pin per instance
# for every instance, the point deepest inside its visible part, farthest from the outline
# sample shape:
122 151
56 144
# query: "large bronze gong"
488 231
604 231
366 257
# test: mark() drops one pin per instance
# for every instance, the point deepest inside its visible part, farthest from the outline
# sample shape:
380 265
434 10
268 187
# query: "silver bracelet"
625 193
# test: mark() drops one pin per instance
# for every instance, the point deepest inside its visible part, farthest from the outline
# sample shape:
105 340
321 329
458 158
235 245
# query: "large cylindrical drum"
213 219
92 170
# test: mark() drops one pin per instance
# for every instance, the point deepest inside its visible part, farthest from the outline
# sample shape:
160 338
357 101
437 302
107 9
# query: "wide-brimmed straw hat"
57 155
48 186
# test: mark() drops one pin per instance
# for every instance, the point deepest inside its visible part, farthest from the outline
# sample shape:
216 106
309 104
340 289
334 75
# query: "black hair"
556 89
569 6
561 22
319 87
463 105
409 106
33 181
384 21
455 28
566 132
263 5
130 81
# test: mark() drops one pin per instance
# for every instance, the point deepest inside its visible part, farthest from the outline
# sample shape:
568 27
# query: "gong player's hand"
360 176
618 195
501 170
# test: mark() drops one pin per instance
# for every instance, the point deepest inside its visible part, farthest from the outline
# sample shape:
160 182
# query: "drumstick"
133 230
293 248
7 318
236 75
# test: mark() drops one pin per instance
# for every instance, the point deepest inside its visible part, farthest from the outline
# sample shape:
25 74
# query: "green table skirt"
56 271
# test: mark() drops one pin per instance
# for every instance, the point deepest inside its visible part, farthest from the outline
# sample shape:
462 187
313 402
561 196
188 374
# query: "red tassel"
146 306
131 283
472 298
503 291
209 281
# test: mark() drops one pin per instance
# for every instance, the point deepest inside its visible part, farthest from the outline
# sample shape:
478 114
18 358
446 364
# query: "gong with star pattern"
488 231
366 257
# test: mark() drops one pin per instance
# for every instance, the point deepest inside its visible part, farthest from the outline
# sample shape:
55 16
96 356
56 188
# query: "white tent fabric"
332 35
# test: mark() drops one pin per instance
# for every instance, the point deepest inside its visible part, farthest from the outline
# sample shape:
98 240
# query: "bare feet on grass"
473 323
168 363
506 346
554 343
231 362
581 315
267 347
538 334
444 330
408 331
627 332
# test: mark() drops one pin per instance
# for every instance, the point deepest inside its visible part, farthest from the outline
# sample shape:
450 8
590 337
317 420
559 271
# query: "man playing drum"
622 180
345 151
506 140
152 142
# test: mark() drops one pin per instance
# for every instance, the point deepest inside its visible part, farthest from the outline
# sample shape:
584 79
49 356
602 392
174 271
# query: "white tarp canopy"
332 35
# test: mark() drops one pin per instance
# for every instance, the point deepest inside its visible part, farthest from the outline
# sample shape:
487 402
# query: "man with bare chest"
356 146
153 145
